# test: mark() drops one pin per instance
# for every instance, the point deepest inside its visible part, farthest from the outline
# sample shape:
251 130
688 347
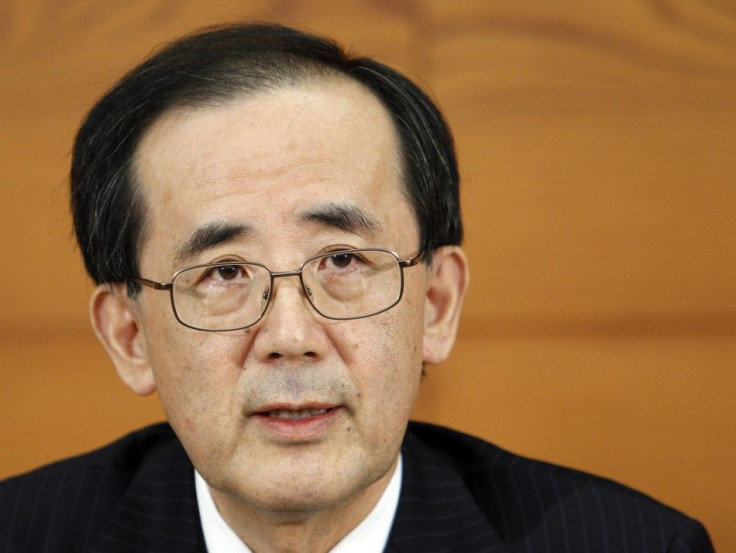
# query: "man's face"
266 164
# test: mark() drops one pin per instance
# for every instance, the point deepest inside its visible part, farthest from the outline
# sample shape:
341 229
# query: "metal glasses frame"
403 264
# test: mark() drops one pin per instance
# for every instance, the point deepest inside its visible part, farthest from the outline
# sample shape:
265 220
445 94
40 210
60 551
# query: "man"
274 229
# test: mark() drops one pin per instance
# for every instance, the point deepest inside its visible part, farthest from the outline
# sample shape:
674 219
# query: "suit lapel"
436 510
158 512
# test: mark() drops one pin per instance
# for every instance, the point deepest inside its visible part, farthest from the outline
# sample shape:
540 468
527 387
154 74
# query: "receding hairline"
223 101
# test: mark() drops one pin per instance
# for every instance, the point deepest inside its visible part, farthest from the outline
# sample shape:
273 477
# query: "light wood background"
597 144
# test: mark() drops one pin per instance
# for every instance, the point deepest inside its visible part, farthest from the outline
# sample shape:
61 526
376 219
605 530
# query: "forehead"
263 158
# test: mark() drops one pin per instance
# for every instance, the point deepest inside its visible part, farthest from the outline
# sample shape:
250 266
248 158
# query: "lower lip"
304 429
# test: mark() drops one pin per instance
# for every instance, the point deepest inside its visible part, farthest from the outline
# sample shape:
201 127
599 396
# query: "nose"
290 329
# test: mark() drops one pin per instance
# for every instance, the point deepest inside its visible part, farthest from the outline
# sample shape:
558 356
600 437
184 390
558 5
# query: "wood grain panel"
61 398
596 142
597 148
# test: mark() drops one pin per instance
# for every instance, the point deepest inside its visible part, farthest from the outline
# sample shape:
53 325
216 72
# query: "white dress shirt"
369 536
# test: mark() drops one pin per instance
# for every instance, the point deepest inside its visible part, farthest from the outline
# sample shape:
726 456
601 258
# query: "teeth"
296 415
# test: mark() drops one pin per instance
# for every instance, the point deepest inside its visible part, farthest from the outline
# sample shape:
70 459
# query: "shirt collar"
370 535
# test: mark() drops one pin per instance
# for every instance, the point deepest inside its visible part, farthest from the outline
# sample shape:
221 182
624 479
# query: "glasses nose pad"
308 290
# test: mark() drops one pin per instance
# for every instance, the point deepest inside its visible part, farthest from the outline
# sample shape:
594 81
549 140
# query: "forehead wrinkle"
344 216
209 236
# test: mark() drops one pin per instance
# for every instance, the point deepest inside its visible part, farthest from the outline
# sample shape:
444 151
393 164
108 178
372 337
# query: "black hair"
211 67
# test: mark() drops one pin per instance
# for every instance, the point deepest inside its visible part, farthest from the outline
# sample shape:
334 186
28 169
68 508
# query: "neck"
315 529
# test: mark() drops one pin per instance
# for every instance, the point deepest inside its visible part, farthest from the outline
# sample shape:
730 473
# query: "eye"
225 273
228 272
341 260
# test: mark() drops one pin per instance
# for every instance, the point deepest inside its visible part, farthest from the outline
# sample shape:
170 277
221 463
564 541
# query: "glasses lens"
225 296
352 284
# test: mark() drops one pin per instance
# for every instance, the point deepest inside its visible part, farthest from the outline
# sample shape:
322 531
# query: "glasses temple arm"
153 284
404 263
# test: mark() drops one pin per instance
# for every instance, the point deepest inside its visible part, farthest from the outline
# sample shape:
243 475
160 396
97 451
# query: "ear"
448 280
115 321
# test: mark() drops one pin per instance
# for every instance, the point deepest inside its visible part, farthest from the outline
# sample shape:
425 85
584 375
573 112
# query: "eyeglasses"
340 285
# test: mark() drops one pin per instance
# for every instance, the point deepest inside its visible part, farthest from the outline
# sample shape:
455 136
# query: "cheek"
196 375
391 356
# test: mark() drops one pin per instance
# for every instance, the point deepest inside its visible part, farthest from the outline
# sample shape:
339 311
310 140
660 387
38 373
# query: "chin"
285 494
294 500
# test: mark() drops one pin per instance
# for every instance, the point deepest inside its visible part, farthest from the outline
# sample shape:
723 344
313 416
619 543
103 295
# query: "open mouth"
295 415
297 423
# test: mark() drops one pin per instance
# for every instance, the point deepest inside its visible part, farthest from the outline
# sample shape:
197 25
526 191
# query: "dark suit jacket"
458 494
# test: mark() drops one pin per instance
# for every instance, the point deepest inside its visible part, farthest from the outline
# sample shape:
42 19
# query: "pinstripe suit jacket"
458 494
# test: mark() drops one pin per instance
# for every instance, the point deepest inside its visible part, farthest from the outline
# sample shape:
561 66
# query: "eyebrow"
209 236
347 217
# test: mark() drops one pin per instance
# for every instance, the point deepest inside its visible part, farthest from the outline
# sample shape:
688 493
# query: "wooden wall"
597 146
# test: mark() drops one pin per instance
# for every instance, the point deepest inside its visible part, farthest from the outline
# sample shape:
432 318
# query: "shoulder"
533 502
72 498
